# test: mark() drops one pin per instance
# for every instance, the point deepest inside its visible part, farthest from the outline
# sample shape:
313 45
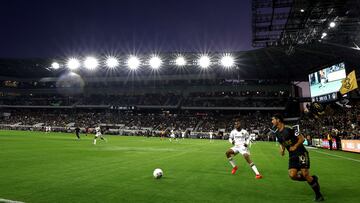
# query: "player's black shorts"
299 161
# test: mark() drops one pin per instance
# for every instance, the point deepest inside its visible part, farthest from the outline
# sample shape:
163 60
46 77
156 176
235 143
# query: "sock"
315 186
94 141
232 162
253 167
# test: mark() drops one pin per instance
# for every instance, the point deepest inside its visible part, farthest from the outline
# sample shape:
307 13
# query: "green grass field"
39 167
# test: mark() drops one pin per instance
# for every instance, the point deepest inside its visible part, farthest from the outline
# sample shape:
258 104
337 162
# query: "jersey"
98 131
252 137
288 138
239 138
172 135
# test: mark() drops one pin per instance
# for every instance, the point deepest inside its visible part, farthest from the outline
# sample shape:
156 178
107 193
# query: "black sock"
315 186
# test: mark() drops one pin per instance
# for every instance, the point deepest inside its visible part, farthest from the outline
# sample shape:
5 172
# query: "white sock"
253 167
232 162
94 141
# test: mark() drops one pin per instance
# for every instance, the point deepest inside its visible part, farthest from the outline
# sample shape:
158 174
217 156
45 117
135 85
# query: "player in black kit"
299 161
77 131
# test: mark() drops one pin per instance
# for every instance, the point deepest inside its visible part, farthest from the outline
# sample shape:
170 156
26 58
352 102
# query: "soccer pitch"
55 167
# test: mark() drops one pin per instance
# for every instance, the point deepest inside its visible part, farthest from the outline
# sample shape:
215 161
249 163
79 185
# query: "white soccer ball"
158 173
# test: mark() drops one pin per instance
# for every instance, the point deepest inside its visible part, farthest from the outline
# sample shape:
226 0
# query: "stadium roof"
293 22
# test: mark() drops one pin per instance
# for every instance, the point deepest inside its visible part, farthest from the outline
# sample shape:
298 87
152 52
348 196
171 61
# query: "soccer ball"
158 173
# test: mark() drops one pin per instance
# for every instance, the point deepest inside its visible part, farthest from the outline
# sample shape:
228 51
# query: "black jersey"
287 138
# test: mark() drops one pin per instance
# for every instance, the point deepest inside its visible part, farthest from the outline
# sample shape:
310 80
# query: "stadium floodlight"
155 62
324 34
73 63
91 63
227 61
204 61
332 24
112 62
180 61
133 62
55 65
302 10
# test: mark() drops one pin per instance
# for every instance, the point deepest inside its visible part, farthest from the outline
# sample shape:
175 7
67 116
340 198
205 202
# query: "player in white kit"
98 134
183 134
48 129
172 136
240 138
211 135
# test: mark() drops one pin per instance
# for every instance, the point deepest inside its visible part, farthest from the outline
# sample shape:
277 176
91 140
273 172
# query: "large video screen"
325 83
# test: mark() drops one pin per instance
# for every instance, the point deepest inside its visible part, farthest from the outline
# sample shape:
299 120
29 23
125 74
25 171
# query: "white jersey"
98 131
172 134
252 137
239 137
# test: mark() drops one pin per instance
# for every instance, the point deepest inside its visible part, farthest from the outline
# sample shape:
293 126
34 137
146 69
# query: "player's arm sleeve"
248 138
231 138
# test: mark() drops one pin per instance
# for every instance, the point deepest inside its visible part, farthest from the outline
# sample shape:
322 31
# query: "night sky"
60 28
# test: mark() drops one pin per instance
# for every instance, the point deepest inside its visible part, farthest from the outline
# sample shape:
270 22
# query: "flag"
349 83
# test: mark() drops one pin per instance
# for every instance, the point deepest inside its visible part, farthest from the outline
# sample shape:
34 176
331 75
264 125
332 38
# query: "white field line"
9 201
351 159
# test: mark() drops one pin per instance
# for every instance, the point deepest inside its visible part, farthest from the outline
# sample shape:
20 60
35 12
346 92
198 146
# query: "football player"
240 138
299 162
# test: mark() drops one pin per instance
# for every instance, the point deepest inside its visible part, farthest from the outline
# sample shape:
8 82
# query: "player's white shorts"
172 135
240 149
98 134
211 137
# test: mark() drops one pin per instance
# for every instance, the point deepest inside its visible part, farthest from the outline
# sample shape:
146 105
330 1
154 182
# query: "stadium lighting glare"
324 34
332 24
356 47
204 61
302 10
73 63
112 62
227 61
155 62
180 61
133 62
91 63
55 65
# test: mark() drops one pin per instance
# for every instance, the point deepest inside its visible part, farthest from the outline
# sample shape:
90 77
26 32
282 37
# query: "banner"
351 145
325 144
316 142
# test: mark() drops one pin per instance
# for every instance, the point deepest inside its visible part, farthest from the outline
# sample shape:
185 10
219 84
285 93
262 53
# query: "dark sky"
57 28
